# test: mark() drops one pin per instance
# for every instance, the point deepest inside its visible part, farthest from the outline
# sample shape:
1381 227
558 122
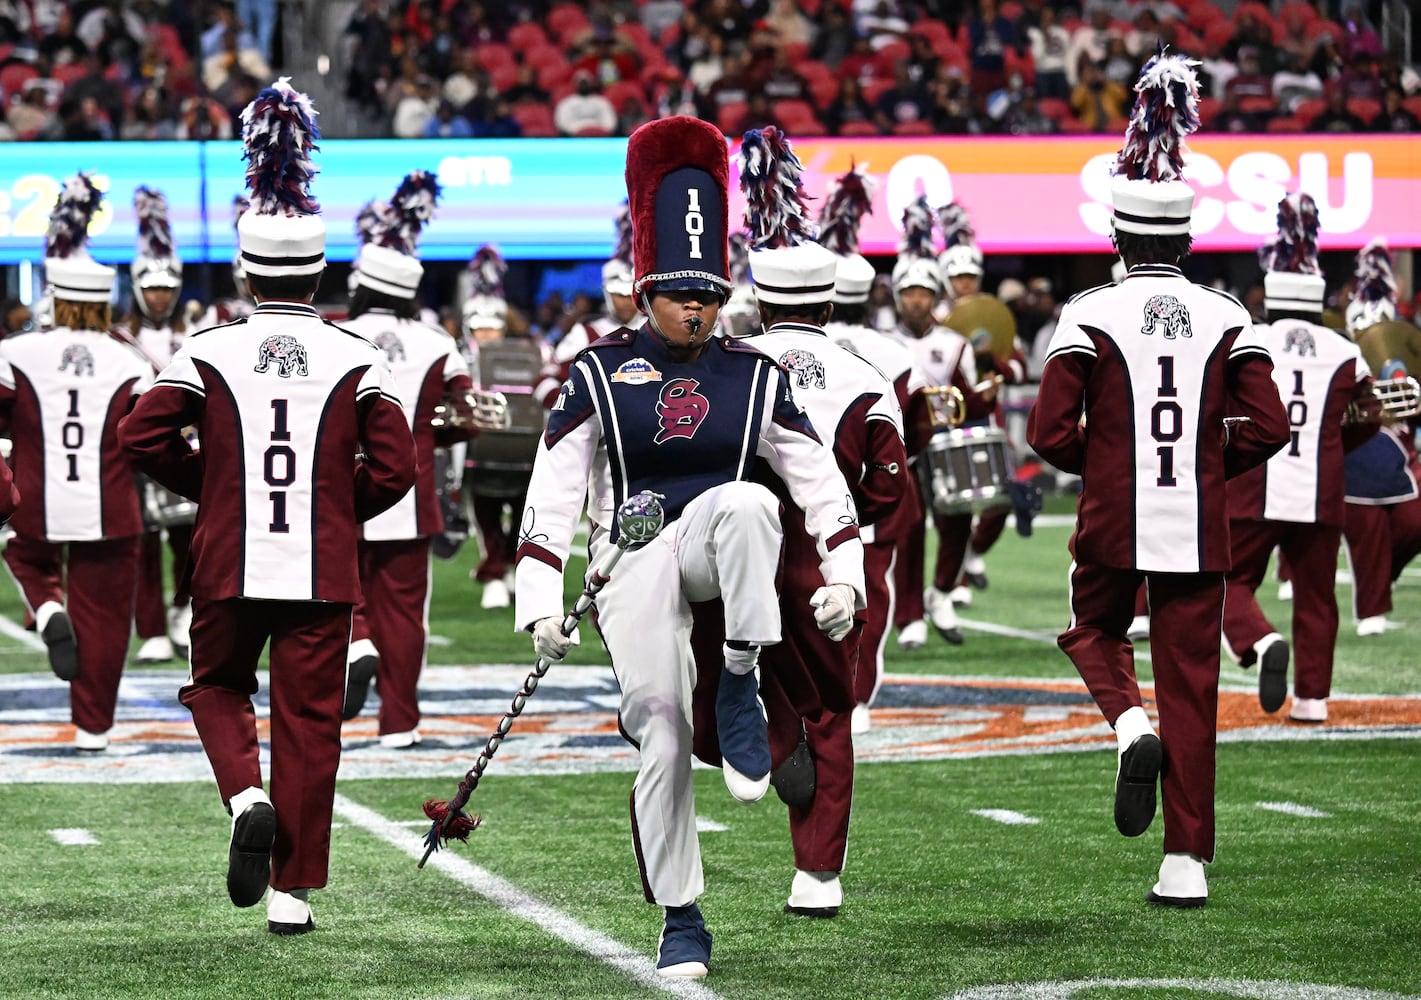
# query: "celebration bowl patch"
637 371
570 726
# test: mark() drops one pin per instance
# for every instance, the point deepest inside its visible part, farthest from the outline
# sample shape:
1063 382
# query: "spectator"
15 317
447 123
1096 101
860 63
902 103
525 88
631 115
1295 41
1360 81
884 26
692 40
1215 70
732 87
923 62
1231 118
469 80
730 20
609 58
951 108
499 123
1360 37
1026 118
1295 83
31 116
784 82
113 33
82 119
1089 40
63 45
414 107
835 38
96 85
1336 118
1142 40
788 22
758 114
1250 81
203 118
989 36
1250 32
224 19
585 109
152 119
658 15
1394 117
260 16
1050 46
709 68
233 57
1119 65
849 105
1327 61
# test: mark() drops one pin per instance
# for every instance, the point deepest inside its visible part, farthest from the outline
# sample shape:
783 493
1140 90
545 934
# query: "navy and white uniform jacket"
631 418
284 402
1378 473
427 366
566 350
1155 363
63 393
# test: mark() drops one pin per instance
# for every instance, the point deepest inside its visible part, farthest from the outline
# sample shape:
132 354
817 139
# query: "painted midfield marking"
1293 809
1006 816
509 897
17 632
1253 988
74 837
704 825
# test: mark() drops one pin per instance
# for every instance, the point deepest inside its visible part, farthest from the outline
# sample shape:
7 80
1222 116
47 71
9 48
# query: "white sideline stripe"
16 631
1293 809
440 640
1006 816
704 825
1022 633
509 897
74 837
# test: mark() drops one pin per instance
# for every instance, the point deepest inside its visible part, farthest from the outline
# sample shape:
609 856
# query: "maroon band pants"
150 607
394 577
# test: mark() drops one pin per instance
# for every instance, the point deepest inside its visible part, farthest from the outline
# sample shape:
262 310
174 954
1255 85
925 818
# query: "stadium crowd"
149 69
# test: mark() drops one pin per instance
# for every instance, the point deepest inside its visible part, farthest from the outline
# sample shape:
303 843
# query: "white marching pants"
725 544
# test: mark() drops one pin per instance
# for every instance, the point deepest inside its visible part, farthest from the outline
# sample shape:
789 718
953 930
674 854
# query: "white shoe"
289 912
815 894
1308 710
401 741
1375 625
1139 630
859 722
944 617
1285 590
495 595
180 625
1181 882
974 565
744 789
914 635
961 597
91 742
158 649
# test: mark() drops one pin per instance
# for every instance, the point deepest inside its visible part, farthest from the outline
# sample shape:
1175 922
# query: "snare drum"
966 470
162 507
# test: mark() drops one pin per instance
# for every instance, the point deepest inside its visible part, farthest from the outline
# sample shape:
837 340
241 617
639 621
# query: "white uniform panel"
939 353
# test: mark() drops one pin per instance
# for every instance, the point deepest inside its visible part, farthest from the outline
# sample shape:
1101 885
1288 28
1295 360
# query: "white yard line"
16 631
1007 817
705 825
509 897
74 837
1293 809
1022 633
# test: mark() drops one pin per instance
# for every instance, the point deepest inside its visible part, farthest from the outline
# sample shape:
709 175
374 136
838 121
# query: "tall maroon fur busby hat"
678 176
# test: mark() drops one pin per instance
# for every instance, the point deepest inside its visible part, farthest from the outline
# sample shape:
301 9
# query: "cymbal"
986 321
1391 340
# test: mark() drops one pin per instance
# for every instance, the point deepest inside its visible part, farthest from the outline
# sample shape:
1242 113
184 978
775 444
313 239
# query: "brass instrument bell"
487 411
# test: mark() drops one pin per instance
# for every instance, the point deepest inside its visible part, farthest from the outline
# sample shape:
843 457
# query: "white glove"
834 610
548 640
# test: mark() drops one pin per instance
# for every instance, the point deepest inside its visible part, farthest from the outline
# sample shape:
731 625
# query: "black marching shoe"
1135 784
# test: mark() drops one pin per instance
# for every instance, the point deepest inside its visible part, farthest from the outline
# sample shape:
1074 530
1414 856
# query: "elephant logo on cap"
286 351
1168 312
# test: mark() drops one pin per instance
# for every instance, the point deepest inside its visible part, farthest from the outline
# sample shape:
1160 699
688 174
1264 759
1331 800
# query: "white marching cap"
79 278
916 272
485 312
853 279
386 270
276 245
1151 208
1285 291
617 277
794 275
959 260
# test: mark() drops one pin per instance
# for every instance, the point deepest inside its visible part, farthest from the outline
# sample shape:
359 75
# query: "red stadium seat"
526 36
859 128
873 89
67 73
618 93
14 76
1320 27
1257 105
1011 10
797 52
494 55
913 128
1075 125
593 132
1310 109
634 32
934 29
543 55
1208 108
1413 104
1218 33
890 57
728 118
1364 108
535 119
1299 7
1054 108
567 20
1287 124
798 118
504 77
554 76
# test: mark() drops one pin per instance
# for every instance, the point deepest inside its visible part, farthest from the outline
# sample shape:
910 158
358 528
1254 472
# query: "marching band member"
62 393
500 461
1381 475
1137 384
282 401
390 624
156 325
239 305
1295 500
807 680
671 409
945 358
848 198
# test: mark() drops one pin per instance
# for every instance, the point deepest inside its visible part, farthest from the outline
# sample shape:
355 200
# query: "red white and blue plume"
487 269
278 134
956 226
1166 111
775 214
623 248
240 204
847 201
155 232
69 221
1294 249
917 238
409 212
1375 280
370 220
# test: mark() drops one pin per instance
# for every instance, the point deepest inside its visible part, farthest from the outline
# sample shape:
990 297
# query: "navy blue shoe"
744 736
685 946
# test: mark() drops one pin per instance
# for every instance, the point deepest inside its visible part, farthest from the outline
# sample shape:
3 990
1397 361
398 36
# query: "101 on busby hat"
281 233
677 176
72 275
